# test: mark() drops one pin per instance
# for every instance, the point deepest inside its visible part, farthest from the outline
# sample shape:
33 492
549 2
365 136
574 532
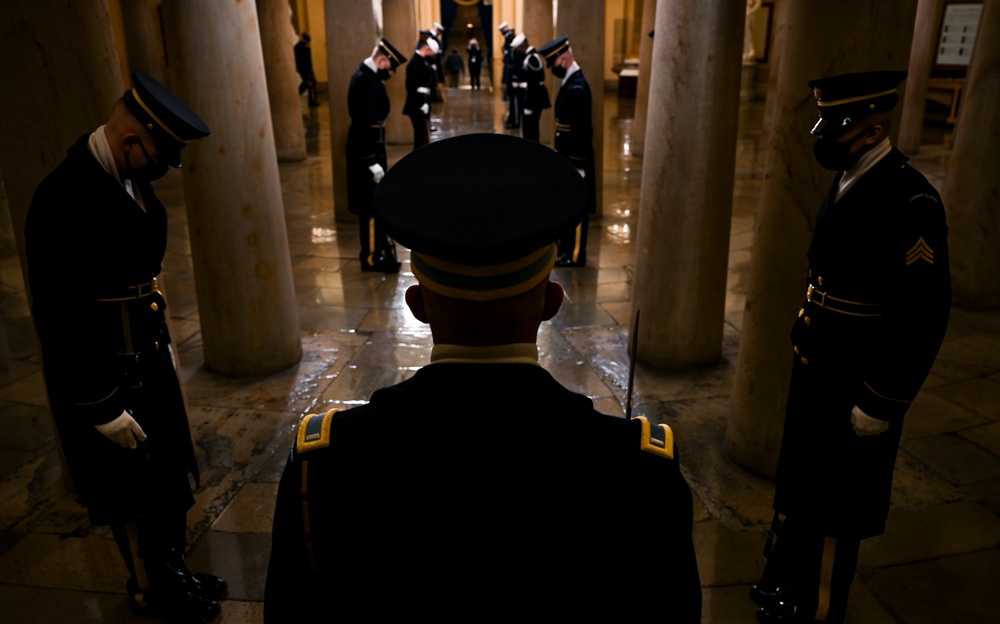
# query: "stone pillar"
972 188
584 23
278 39
399 21
236 219
685 205
61 72
351 28
144 39
538 29
638 145
822 39
922 53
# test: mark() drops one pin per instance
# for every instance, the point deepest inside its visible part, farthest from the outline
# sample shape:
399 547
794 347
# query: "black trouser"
529 125
145 545
309 84
376 248
421 129
573 244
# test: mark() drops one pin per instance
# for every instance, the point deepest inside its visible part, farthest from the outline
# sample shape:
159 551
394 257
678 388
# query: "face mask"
152 171
558 71
836 156
383 74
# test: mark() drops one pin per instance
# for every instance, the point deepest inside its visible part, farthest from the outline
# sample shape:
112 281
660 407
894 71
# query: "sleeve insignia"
920 251
314 431
656 439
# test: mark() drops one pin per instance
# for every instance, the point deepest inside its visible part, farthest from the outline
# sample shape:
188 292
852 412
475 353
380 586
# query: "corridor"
937 562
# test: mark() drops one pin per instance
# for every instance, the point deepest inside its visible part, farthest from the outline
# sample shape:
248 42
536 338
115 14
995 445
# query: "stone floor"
937 563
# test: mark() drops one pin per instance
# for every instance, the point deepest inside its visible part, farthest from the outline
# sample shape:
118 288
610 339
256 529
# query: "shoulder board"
313 431
656 439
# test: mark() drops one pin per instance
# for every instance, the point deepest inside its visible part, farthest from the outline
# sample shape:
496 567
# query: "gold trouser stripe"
371 241
576 242
826 577
141 578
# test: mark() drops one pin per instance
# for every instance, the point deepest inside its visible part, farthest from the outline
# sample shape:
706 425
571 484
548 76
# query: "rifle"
631 367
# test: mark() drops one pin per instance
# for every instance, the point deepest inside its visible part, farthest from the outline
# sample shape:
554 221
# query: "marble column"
236 219
538 29
278 39
584 23
351 28
399 21
685 204
922 53
61 74
144 39
972 187
638 144
821 39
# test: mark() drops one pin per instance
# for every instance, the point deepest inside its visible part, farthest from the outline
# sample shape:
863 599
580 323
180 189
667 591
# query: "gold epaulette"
314 431
656 439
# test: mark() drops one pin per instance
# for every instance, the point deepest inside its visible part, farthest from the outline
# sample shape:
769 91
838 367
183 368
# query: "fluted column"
278 39
236 220
60 83
538 29
144 39
821 39
350 29
972 187
685 205
638 145
584 23
922 53
399 21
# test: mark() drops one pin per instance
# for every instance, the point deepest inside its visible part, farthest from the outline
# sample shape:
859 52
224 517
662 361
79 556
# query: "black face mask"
383 74
836 156
152 171
558 71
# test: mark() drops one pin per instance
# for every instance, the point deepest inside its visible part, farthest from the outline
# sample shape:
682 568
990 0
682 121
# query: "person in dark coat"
455 66
529 79
875 313
475 54
304 67
420 83
574 140
512 114
368 106
95 237
481 476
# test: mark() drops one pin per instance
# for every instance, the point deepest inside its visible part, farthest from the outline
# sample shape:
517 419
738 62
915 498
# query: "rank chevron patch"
920 251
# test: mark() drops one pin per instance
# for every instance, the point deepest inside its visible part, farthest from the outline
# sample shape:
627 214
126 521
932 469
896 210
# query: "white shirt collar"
371 64
575 67
866 162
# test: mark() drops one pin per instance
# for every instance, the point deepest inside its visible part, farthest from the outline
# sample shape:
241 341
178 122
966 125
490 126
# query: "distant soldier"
420 90
304 66
533 95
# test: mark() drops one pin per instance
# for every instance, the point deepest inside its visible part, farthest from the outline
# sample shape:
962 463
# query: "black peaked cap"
848 97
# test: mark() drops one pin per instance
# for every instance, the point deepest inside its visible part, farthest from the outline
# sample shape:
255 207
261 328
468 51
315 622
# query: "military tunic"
575 140
875 314
419 85
93 254
535 93
480 484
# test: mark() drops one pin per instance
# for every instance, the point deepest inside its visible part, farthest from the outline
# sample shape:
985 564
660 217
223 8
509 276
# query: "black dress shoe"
174 606
781 612
766 595
204 585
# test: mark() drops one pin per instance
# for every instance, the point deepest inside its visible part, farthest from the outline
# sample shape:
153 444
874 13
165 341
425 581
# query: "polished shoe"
202 584
174 606
766 595
781 612
563 261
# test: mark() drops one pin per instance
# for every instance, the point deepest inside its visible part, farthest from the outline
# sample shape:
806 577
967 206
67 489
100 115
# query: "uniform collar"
868 160
575 67
368 62
519 353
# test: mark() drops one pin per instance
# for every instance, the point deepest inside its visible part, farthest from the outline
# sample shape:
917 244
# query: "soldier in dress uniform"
512 116
95 237
574 140
533 95
481 480
419 91
875 312
368 106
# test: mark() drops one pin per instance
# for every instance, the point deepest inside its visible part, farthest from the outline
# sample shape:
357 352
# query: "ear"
554 295
874 134
415 301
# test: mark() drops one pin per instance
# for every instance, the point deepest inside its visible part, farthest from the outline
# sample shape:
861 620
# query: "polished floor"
937 563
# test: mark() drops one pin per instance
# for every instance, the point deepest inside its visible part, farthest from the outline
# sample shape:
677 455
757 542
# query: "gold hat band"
856 99
138 99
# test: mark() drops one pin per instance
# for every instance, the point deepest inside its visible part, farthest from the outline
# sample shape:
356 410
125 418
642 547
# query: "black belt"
126 293
842 306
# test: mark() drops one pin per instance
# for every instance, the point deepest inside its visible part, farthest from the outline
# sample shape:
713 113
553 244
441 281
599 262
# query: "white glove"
865 425
528 111
121 430
377 172
425 109
423 91
583 174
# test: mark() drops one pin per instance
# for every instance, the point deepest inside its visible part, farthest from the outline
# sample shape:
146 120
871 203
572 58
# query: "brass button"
820 280
805 361
807 320
801 312
810 272
156 345
796 349
154 307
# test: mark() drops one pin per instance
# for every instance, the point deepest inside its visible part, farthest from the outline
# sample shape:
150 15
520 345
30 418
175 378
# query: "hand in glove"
377 172
123 430
528 111
425 109
865 425
583 174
